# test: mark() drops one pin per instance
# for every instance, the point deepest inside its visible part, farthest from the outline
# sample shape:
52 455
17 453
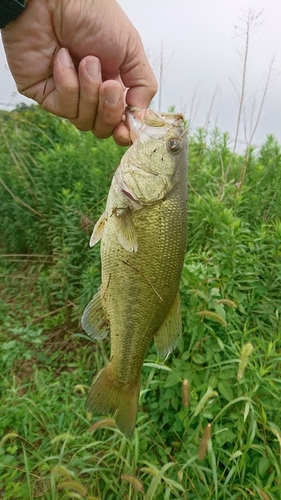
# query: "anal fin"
94 320
170 331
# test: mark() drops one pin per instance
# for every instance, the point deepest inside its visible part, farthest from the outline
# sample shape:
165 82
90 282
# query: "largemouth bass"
143 241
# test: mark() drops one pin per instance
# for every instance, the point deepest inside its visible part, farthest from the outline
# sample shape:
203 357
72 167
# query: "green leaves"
54 183
209 422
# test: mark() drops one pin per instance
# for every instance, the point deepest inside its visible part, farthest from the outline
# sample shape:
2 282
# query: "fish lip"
139 119
134 124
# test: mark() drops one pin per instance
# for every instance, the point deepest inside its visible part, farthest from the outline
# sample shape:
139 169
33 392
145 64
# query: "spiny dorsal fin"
94 320
170 331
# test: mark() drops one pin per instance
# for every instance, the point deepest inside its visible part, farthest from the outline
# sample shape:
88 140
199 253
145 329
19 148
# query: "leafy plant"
209 421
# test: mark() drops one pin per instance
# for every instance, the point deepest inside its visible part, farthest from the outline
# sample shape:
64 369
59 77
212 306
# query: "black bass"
143 242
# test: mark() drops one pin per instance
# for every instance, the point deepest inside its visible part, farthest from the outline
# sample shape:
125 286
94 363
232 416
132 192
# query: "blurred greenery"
209 422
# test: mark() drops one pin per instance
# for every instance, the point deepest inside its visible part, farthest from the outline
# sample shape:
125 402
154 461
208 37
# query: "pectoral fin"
94 320
126 232
170 331
98 230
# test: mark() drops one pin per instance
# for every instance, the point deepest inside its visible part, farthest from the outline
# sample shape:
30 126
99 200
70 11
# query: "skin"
82 60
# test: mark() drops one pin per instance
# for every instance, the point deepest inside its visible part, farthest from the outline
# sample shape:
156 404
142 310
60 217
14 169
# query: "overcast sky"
199 43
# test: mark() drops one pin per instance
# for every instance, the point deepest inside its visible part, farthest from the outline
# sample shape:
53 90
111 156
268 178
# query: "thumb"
139 78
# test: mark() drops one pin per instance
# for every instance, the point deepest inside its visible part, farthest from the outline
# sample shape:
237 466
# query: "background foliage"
209 422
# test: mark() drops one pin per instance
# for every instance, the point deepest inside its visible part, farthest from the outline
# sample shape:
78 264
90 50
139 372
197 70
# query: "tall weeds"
52 188
209 417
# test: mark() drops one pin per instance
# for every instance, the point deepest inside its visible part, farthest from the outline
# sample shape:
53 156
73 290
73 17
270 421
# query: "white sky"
200 55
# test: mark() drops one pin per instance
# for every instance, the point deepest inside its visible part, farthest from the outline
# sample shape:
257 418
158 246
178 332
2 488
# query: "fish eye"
174 145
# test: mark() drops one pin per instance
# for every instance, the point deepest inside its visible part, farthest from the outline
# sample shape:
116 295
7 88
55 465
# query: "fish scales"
138 299
146 306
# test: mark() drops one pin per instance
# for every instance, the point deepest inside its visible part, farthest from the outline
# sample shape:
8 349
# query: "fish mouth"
156 124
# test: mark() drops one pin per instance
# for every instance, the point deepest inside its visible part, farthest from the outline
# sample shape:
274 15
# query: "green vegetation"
209 424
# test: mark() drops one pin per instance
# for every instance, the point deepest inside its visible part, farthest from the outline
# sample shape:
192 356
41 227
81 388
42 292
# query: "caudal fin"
106 396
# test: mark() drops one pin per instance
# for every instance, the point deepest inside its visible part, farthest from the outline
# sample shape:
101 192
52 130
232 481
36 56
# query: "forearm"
10 10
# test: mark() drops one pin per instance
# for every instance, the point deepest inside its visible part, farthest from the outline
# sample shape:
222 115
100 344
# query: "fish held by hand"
143 241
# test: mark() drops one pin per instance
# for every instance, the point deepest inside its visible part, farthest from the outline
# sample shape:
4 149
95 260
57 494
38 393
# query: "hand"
77 59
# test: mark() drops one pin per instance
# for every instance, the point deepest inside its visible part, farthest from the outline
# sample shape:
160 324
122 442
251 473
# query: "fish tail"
107 396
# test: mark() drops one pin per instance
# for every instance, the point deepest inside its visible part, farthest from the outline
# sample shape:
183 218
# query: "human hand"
77 59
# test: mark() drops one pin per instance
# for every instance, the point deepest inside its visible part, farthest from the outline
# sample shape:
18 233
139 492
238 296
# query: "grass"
224 443
209 422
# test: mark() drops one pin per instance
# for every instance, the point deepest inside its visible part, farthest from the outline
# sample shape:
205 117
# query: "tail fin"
106 396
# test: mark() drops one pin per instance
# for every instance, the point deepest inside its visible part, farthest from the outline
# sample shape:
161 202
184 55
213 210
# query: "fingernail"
65 58
93 69
113 95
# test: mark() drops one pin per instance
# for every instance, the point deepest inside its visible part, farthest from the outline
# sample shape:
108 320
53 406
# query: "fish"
142 233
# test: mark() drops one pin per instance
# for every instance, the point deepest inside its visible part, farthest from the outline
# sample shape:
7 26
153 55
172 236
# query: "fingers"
138 77
110 108
121 135
89 77
59 94
101 104
141 95
142 86
83 98
89 103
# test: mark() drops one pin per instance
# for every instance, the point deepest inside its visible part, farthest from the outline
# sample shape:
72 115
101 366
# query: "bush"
53 188
209 417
